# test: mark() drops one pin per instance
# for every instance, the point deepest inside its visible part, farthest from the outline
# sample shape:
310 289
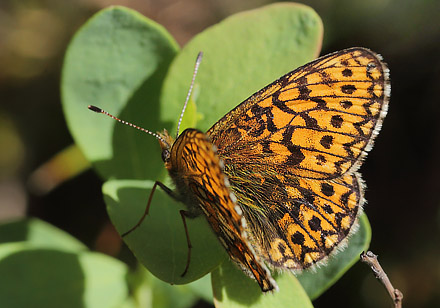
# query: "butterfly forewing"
317 121
197 172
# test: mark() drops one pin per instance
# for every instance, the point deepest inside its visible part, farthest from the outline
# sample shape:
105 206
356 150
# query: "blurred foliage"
401 171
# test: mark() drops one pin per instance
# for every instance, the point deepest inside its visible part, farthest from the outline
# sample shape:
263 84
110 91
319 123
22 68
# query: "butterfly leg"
150 198
185 214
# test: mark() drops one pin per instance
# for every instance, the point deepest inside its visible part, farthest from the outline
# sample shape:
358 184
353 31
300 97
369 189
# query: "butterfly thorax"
183 160
197 172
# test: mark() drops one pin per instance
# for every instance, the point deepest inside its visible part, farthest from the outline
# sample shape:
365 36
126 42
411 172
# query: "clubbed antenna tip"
95 109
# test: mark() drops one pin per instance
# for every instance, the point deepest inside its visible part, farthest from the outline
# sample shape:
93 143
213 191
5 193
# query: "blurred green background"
401 172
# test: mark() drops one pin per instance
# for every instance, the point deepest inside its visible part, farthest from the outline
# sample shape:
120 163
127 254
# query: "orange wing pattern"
291 152
317 121
201 183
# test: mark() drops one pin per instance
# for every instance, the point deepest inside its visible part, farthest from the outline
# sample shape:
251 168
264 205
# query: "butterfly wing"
291 153
197 171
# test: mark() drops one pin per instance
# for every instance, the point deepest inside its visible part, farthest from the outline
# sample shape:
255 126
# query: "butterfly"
276 177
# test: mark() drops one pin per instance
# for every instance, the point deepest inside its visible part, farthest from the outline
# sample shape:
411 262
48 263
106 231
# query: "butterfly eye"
165 155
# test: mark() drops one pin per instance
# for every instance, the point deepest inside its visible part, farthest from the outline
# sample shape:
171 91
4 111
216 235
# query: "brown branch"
371 259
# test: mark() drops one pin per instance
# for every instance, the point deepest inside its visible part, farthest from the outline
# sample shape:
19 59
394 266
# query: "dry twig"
371 259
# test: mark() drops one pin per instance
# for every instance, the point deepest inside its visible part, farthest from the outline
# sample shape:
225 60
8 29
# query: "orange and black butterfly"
277 177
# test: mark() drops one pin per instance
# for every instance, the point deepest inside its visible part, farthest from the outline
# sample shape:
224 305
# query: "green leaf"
45 277
242 54
117 61
203 288
37 233
53 269
233 289
166 295
316 282
148 291
180 296
159 243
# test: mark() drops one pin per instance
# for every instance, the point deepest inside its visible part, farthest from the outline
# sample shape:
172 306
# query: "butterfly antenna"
196 68
99 110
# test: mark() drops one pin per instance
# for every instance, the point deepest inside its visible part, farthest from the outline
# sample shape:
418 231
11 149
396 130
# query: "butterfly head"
165 142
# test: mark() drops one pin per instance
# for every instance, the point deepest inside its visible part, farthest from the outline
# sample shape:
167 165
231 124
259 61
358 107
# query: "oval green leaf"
37 233
242 54
232 288
48 278
117 61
